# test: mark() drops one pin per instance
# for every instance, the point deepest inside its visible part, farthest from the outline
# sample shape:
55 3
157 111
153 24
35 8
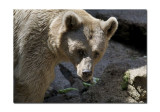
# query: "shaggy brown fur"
44 38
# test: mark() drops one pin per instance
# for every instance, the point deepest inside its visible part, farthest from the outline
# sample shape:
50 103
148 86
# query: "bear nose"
87 73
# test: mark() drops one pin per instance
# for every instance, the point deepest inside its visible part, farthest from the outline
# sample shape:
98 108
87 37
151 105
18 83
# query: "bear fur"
44 38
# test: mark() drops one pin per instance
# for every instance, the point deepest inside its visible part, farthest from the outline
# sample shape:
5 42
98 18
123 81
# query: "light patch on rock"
141 72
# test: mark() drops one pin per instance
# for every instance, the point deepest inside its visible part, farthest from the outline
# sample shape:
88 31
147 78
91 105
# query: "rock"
130 100
143 96
72 94
60 82
138 76
66 73
60 98
134 16
78 84
141 102
138 80
73 97
69 97
92 96
50 92
133 93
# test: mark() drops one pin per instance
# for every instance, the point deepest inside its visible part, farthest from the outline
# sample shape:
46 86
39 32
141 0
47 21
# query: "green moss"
86 84
124 84
94 81
62 91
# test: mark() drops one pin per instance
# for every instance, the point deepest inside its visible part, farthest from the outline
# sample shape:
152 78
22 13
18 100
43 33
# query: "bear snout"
86 75
86 69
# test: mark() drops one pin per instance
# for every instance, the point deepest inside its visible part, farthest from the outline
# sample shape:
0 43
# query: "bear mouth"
86 79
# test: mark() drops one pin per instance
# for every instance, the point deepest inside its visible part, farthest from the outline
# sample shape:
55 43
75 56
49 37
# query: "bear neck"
58 53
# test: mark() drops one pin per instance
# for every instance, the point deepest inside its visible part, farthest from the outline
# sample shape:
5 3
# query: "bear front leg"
28 93
32 81
30 90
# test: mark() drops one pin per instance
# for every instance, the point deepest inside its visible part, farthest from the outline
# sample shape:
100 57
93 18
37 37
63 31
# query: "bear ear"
109 27
70 21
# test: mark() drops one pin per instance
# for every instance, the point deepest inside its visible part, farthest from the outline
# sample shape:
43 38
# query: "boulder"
138 83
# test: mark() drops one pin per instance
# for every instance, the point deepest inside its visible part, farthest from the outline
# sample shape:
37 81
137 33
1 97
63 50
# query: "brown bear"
44 38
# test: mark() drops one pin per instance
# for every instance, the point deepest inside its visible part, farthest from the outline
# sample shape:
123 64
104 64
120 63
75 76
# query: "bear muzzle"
84 69
86 74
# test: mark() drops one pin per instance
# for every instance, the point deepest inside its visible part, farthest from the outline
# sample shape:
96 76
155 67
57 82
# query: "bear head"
78 37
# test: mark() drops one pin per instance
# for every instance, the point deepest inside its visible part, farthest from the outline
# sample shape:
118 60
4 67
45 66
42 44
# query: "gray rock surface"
60 82
134 16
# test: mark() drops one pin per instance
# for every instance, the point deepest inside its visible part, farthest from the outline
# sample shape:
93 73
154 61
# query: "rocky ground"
122 70
117 61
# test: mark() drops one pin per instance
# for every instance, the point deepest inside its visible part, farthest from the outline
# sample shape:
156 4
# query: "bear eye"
96 54
90 37
81 52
